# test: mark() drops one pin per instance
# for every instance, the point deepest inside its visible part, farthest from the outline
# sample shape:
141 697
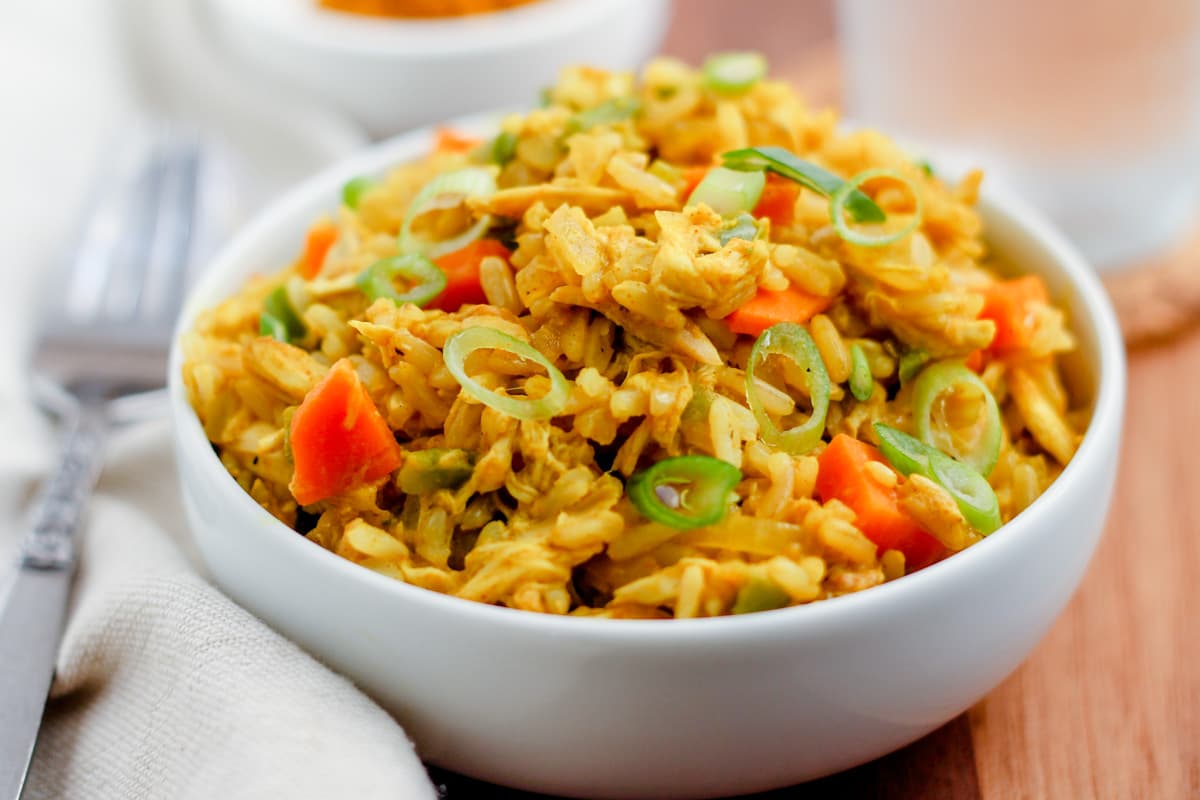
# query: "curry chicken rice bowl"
665 346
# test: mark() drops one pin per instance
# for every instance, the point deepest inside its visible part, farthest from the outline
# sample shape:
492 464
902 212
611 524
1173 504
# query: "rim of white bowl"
807 619
303 22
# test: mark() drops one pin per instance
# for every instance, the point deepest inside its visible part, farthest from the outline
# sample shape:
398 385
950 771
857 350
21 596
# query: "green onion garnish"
842 198
974 495
462 344
794 342
425 471
931 385
378 280
607 113
911 362
970 490
786 164
279 319
906 454
447 191
734 72
759 594
742 227
354 189
862 383
684 492
926 167
504 147
729 192
269 325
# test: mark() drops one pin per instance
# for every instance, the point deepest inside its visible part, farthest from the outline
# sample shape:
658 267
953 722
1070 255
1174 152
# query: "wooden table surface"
1108 705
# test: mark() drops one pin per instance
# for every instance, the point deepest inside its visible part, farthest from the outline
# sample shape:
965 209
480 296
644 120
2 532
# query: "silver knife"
103 339
34 609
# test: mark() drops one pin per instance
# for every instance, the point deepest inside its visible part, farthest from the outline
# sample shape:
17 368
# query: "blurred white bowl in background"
394 74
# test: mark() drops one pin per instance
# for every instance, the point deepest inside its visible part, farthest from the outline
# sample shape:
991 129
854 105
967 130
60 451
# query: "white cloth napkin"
164 688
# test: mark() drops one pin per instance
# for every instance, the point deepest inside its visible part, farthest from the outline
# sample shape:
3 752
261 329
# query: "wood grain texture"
1108 705
1161 298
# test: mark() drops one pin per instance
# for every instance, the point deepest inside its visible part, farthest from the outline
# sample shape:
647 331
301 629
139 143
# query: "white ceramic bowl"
689 708
393 74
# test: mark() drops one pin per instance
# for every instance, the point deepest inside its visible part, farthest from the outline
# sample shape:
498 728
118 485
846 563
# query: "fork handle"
35 605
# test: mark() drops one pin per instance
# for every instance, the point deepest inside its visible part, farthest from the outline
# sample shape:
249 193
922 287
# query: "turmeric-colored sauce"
419 8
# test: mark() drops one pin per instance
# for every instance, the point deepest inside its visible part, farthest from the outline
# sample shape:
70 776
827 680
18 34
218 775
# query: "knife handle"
34 608
50 542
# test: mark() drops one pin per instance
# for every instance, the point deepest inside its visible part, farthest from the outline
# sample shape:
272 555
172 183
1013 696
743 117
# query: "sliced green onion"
729 191
607 113
684 492
447 191
974 495
742 227
462 344
270 325
354 189
911 362
794 342
906 454
734 72
427 280
926 167
842 197
425 471
760 594
786 164
279 319
933 382
970 490
862 383
504 147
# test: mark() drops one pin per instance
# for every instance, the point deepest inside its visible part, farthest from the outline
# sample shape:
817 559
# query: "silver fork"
102 341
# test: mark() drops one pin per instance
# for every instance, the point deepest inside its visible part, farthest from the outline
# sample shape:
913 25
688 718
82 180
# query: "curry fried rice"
668 346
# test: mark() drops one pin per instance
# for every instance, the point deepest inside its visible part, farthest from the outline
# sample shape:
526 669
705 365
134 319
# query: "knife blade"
34 612
31 623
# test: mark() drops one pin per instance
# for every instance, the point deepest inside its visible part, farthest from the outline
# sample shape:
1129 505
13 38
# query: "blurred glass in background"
1088 108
